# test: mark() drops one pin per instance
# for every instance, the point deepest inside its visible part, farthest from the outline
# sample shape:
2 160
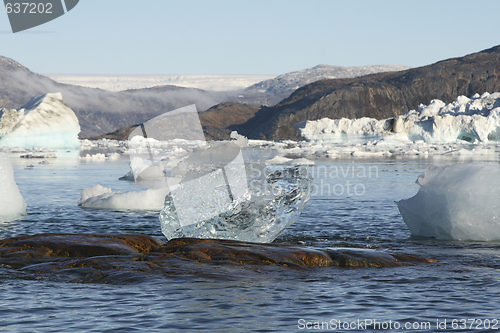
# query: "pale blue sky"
250 36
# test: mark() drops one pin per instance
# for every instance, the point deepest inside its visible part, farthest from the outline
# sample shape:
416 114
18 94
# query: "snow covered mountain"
282 86
46 121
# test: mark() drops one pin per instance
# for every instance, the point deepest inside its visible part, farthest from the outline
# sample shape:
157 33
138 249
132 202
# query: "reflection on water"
465 284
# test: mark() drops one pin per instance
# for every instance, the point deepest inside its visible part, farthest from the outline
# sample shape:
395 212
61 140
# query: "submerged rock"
129 258
221 251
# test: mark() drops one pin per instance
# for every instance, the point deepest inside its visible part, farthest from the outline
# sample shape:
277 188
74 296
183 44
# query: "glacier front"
45 121
12 204
457 202
475 119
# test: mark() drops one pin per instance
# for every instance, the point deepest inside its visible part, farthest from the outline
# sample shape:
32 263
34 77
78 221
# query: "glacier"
475 119
458 202
45 121
12 204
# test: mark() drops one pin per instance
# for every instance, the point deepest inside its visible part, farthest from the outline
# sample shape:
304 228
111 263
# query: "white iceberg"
278 160
100 197
12 204
468 120
45 121
458 202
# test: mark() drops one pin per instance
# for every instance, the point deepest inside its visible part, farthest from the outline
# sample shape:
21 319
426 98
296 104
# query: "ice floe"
100 197
459 201
12 204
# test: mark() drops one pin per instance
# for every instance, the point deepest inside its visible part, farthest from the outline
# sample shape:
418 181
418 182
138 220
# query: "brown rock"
127 258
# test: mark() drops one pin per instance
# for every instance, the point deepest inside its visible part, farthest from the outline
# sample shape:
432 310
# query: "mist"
101 111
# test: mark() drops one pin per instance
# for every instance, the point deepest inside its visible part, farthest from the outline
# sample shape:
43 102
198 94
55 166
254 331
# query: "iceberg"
457 202
45 121
475 119
100 197
253 205
12 204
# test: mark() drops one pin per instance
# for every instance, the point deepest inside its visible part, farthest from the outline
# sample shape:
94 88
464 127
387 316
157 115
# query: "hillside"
99 111
379 96
272 91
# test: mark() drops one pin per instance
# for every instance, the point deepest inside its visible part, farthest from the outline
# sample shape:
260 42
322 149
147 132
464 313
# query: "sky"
159 37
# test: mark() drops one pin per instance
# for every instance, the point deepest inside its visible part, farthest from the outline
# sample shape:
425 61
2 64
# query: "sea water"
352 205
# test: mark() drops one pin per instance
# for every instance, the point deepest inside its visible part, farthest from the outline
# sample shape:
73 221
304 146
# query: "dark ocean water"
352 206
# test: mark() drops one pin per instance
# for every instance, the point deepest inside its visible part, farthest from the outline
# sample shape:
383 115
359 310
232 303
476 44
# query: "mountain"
219 121
100 111
270 92
382 95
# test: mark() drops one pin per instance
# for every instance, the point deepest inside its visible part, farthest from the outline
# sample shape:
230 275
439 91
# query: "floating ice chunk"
113 156
13 150
90 192
144 170
100 197
206 209
98 156
12 204
370 154
238 139
277 160
302 161
281 160
30 155
46 121
456 202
